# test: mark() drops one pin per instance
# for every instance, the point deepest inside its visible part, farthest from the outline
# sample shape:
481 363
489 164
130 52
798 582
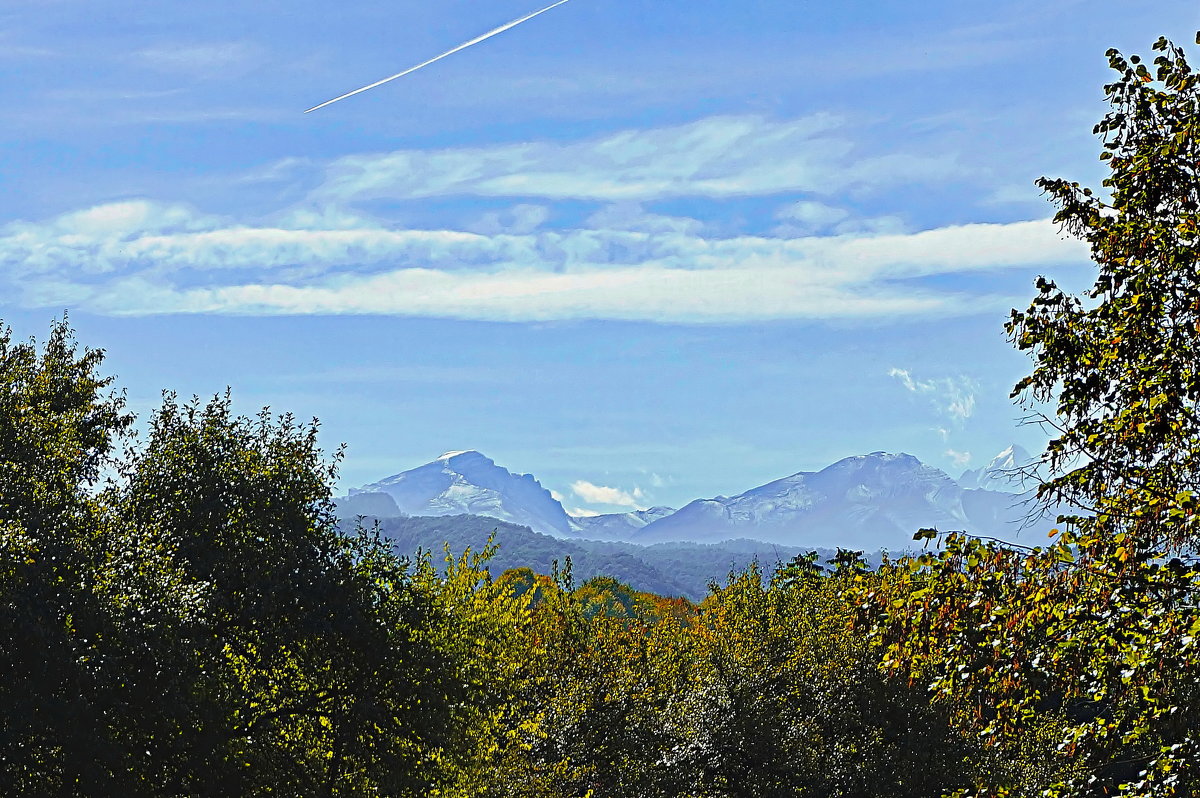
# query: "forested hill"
666 569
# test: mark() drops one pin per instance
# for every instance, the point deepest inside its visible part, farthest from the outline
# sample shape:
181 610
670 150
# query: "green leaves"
58 619
199 624
1094 634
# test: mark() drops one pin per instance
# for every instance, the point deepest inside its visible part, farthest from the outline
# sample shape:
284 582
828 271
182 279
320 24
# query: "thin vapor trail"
423 64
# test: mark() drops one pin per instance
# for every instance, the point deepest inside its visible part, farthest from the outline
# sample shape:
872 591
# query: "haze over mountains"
867 502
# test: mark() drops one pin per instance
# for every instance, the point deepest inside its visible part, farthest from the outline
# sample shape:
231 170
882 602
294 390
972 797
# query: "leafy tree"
1093 636
788 701
487 630
585 714
762 690
312 665
198 624
58 430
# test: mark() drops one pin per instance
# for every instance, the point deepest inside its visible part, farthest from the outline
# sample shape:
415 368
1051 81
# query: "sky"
647 250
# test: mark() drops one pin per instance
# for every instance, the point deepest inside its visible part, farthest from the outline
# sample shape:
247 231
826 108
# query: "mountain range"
866 502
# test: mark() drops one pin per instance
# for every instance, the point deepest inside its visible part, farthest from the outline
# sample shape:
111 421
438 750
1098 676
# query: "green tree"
788 701
1095 634
312 665
58 431
762 690
197 623
585 715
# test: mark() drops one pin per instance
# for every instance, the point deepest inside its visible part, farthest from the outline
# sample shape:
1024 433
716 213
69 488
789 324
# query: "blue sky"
667 249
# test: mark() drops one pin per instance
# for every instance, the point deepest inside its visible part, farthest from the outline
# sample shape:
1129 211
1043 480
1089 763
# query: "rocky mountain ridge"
867 502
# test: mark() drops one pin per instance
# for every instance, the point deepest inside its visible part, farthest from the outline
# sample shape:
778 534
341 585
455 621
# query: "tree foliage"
1092 639
198 624
58 430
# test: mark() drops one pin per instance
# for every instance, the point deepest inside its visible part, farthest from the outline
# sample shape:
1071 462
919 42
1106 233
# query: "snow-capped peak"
861 502
618 526
468 482
1008 471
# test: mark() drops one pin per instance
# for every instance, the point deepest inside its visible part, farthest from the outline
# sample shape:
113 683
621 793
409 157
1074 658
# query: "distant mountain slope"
618 526
669 569
1008 472
469 483
867 502
379 505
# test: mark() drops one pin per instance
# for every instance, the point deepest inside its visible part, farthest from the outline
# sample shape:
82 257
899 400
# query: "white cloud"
960 458
953 397
519 219
327 217
654 294
811 215
283 170
130 219
140 257
724 156
632 216
806 217
602 494
325 256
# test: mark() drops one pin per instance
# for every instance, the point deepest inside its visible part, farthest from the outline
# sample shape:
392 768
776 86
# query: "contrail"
423 64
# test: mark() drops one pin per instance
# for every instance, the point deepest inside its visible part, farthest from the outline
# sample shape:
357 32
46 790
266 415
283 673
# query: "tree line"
183 616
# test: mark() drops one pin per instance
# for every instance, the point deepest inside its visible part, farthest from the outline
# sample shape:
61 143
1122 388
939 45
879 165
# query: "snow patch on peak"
860 502
617 526
465 456
468 482
1008 471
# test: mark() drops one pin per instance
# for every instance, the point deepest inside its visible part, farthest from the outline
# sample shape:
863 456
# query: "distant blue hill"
667 569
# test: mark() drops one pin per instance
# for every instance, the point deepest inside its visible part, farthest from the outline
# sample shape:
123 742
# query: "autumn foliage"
1088 644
